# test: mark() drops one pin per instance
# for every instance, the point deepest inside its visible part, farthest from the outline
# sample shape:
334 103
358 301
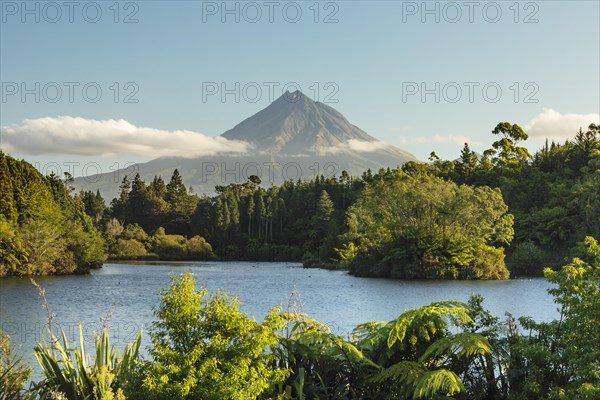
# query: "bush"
527 259
129 249
103 379
205 348
197 248
170 247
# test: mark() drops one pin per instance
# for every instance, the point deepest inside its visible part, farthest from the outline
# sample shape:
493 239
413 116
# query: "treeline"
425 220
441 219
243 221
436 230
553 194
43 228
204 347
431 228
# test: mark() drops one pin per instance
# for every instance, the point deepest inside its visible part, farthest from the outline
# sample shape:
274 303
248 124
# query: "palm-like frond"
441 382
404 372
415 381
463 344
423 323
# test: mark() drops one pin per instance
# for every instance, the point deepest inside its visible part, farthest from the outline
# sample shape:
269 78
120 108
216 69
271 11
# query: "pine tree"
324 208
137 202
176 192
467 164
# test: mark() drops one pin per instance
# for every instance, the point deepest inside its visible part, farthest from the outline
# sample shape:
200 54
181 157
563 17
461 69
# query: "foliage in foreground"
204 347
67 369
14 373
561 359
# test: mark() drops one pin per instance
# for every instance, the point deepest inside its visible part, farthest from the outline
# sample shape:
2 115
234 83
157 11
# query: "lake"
128 293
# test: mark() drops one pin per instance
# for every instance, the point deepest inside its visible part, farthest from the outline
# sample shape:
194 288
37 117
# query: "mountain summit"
293 138
294 124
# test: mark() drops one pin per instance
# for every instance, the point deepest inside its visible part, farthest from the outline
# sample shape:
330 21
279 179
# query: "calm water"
129 292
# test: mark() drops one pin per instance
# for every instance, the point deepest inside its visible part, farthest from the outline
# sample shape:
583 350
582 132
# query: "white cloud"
554 125
80 136
359 146
436 139
362 146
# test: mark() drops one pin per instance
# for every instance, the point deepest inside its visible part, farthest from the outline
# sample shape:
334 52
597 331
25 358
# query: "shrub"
102 380
197 248
527 259
170 247
129 249
205 348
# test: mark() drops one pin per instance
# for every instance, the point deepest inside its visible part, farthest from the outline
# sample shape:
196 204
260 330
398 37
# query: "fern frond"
441 382
424 322
464 344
405 372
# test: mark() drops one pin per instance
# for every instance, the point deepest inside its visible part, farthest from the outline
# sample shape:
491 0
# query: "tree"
426 227
137 202
181 205
577 292
254 180
250 213
119 205
466 164
94 204
508 151
554 359
205 348
7 204
43 228
420 353
325 207
176 192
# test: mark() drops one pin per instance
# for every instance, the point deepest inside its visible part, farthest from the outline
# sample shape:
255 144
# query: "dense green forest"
441 219
446 219
43 228
203 347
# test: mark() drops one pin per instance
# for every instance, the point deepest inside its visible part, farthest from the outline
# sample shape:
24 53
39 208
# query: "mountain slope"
294 137
295 124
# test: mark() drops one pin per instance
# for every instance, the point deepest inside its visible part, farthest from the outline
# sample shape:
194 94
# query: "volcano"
292 138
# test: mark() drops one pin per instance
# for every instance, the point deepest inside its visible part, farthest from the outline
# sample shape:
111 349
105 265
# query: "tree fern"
441 382
463 344
418 345
422 323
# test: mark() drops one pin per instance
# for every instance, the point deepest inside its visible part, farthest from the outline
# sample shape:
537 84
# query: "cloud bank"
80 136
355 145
553 125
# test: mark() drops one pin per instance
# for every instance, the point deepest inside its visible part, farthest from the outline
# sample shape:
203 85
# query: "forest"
203 347
504 212
43 228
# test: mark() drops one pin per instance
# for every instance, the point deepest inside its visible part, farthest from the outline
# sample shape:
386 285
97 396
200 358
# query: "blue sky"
543 56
